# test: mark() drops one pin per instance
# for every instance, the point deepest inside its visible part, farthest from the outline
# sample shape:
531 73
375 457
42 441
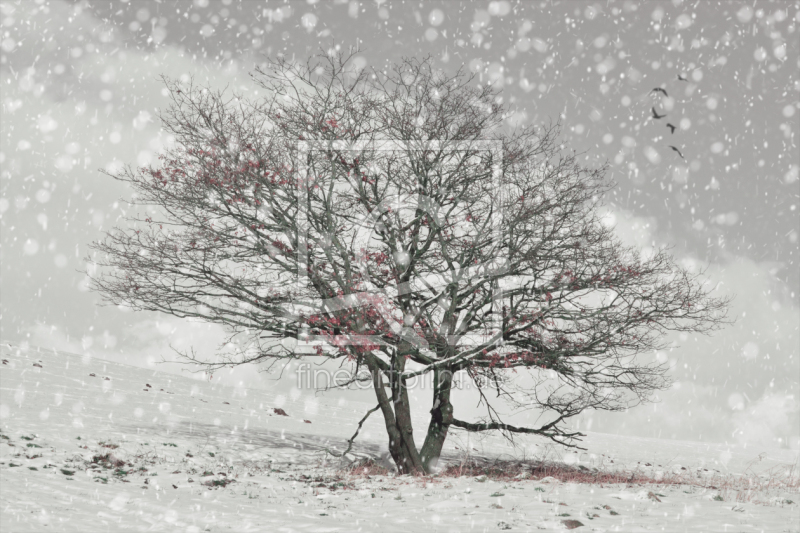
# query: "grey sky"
80 92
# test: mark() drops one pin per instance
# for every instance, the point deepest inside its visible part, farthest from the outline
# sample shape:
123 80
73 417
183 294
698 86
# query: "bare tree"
392 220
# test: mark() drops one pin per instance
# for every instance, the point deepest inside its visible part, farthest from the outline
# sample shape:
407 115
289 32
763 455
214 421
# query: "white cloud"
740 381
770 421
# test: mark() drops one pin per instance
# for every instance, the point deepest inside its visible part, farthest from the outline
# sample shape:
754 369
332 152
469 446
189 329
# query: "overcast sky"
80 92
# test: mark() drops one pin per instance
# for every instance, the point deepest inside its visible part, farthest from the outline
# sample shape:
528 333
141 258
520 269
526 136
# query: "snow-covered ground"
90 445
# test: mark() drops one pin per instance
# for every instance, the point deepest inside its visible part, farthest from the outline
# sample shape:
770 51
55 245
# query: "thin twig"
350 442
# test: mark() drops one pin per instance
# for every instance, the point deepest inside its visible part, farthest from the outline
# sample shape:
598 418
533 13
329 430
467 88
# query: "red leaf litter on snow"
307 421
279 411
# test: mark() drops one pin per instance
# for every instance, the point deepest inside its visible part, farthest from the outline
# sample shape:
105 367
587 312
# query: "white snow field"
90 445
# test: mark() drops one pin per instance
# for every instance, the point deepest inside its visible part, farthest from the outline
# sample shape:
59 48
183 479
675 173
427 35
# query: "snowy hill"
91 445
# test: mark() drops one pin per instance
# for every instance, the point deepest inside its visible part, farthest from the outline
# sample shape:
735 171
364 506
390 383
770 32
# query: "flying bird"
679 152
660 90
656 115
671 127
682 78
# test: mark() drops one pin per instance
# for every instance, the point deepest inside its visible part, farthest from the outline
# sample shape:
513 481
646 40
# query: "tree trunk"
441 417
397 418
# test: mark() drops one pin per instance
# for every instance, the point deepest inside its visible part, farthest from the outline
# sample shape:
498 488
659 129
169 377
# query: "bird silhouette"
679 152
660 90
682 78
656 115
671 127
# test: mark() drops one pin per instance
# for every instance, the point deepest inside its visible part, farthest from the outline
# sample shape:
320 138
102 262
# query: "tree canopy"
392 219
